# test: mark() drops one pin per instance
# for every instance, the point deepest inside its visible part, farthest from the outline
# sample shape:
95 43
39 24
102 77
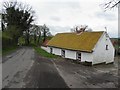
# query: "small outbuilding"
94 47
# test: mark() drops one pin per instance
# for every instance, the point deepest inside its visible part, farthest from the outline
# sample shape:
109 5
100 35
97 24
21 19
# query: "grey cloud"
62 5
113 34
54 18
106 16
58 29
113 31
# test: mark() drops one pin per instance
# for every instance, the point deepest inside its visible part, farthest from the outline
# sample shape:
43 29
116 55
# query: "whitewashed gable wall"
100 53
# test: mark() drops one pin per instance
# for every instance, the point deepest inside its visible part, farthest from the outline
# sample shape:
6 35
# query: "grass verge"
44 53
9 50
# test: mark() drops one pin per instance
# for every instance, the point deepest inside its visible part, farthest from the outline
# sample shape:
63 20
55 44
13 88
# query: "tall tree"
19 17
39 29
45 30
36 30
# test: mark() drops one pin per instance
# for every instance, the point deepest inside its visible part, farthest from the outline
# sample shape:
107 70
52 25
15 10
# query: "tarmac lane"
44 74
15 66
24 68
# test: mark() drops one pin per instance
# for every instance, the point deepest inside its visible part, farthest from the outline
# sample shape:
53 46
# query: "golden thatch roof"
84 41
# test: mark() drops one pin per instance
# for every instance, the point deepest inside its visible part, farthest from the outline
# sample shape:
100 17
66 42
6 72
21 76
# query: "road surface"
25 69
81 76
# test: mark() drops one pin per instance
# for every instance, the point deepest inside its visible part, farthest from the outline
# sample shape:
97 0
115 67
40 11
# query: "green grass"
9 50
44 53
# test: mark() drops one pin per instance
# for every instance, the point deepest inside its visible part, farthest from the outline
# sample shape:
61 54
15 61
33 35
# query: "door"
63 53
79 56
51 50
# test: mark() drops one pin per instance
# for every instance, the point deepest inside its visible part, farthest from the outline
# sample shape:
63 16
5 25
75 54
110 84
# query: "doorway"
79 56
63 53
51 50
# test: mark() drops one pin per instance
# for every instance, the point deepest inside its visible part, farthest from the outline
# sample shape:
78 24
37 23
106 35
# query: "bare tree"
81 28
111 4
45 31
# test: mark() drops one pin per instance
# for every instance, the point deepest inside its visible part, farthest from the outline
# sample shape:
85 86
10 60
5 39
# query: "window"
51 50
79 56
63 53
106 47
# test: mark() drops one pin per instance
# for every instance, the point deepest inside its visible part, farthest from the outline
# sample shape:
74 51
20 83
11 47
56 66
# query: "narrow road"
15 67
26 69
43 74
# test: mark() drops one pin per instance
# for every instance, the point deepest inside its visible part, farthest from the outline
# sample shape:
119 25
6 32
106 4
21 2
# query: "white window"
63 53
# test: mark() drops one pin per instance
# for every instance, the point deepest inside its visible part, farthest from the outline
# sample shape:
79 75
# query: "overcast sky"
61 15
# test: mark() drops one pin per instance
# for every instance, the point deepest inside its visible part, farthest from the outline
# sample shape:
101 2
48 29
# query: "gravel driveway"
81 76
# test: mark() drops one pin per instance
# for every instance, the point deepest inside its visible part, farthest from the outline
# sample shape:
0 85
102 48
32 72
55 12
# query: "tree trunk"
34 38
27 39
38 39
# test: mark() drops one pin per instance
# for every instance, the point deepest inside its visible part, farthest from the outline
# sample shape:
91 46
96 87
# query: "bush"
7 41
21 40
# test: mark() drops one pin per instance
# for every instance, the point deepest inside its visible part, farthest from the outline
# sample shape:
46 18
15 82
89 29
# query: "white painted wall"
100 53
86 57
70 54
56 51
46 48
73 54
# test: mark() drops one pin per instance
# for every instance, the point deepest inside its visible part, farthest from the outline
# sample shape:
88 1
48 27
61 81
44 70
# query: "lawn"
44 53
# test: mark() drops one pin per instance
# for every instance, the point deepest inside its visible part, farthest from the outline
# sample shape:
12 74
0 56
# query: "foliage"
49 37
9 49
45 31
8 44
7 41
17 19
36 31
21 40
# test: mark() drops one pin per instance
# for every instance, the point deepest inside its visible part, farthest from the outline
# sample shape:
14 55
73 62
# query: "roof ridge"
77 33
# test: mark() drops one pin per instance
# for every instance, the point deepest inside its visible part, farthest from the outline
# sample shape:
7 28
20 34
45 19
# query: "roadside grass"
44 53
9 50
